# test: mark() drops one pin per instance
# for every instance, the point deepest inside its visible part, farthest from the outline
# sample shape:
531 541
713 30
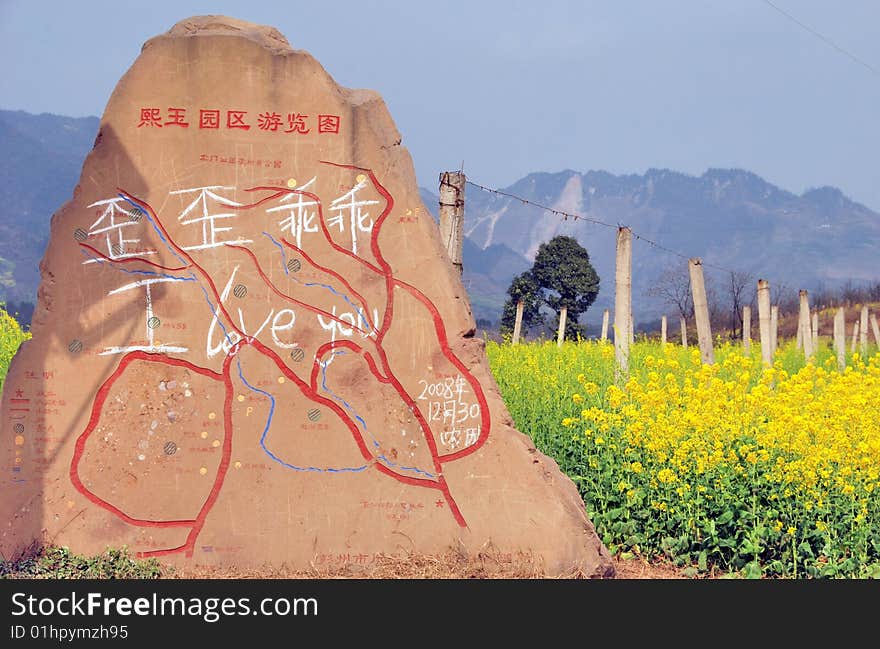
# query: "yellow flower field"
756 471
11 336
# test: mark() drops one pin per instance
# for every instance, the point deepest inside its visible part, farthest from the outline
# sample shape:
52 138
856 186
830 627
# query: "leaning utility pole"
452 215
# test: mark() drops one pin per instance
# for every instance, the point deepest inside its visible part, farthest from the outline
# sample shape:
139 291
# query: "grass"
59 563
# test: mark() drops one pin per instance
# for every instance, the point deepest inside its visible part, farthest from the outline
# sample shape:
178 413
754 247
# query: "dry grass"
452 564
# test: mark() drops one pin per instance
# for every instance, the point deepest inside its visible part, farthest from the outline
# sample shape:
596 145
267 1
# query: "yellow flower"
666 476
636 467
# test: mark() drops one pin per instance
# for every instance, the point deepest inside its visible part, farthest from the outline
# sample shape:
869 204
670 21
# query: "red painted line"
386 325
385 269
308 390
333 273
186 255
159 553
329 237
485 420
311 394
292 300
19 410
100 398
347 344
323 349
416 482
439 326
19 400
225 459
278 193
129 259
375 368
426 432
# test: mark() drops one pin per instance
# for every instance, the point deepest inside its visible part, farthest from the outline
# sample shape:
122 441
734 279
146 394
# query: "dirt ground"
448 566
637 568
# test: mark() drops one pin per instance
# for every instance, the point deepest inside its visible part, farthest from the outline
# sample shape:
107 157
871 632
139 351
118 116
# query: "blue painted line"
363 316
348 407
138 272
283 255
326 286
155 227
192 276
266 432
412 468
340 399
216 315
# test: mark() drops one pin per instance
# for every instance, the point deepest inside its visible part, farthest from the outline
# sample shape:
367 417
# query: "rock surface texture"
250 347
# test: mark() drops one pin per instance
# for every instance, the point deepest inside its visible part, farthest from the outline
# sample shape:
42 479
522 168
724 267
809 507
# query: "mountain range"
41 166
731 218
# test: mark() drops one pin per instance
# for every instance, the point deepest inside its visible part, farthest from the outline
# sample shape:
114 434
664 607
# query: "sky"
506 88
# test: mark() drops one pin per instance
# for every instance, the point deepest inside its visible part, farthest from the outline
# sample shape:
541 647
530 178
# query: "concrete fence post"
701 310
622 302
840 338
764 321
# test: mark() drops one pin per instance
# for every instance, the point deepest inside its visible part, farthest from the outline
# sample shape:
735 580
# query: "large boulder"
250 346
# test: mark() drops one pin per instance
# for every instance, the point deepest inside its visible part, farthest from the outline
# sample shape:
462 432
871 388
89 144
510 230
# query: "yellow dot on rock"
215 443
291 182
361 178
240 398
70 504
204 434
238 465
281 379
18 460
203 471
19 440
212 415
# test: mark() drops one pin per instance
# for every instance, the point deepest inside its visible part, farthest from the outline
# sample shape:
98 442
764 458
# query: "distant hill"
487 271
41 166
730 217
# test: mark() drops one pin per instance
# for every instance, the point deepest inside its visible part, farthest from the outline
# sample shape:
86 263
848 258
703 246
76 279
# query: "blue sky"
513 87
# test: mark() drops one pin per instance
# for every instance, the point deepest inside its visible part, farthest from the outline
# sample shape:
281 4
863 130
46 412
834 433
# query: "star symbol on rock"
439 503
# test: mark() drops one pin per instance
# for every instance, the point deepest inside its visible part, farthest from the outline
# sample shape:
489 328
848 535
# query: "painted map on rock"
250 345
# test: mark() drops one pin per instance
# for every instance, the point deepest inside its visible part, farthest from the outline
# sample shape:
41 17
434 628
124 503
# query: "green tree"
525 288
566 278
